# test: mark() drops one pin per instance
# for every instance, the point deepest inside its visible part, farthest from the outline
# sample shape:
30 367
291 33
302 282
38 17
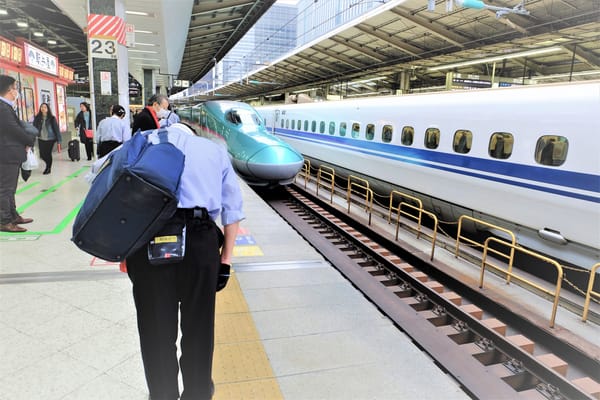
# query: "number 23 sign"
103 48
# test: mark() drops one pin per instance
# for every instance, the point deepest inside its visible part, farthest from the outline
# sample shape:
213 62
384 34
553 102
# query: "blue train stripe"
426 158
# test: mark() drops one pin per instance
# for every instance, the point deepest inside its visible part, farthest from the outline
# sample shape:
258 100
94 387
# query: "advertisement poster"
62 108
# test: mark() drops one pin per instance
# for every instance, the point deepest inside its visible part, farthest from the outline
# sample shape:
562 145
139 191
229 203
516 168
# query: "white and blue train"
525 158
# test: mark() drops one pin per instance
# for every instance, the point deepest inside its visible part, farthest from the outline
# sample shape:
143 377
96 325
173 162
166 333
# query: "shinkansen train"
259 157
524 158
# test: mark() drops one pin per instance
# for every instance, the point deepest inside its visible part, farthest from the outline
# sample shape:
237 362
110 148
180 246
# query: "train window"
306 125
432 138
463 139
313 126
386 133
282 123
293 124
299 124
551 150
408 133
322 127
287 124
501 144
370 132
342 129
332 128
355 129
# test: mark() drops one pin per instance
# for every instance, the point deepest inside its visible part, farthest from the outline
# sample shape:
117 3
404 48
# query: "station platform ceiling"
419 40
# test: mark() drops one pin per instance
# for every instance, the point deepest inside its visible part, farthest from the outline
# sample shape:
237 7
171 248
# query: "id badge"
165 249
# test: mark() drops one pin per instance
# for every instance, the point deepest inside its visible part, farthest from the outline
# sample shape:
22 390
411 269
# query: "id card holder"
167 248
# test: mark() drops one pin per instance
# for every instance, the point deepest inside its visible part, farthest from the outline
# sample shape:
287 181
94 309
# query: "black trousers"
89 146
9 177
46 151
162 291
106 147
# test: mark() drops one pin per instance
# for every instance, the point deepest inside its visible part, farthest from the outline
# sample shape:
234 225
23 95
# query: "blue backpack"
132 197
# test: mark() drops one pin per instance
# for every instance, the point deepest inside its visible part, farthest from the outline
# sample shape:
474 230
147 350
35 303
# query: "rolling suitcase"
73 150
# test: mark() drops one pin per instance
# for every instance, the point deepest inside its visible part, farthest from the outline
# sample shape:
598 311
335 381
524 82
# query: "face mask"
163 113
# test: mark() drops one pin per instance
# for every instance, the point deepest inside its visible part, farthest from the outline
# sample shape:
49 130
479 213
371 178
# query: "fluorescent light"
144 44
51 41
498 58
142 51
142 31
3 11
38 34
22 24
558 76
142 13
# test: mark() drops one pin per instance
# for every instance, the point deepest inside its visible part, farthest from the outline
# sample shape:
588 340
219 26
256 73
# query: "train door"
276 116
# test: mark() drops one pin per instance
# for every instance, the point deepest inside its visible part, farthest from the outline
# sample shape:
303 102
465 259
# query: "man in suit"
14 143
148 118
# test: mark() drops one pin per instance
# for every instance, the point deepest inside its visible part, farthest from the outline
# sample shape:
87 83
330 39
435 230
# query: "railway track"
491 351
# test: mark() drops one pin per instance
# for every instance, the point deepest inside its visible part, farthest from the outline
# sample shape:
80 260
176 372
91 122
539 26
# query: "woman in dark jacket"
83 121
49 134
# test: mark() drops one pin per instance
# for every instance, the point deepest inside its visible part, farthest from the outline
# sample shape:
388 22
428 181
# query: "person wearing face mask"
15 144
148 119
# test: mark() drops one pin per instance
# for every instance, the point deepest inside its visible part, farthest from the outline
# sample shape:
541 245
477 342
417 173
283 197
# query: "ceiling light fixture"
3 11
142 13
38 34
51 41
497 58
22 24
143 31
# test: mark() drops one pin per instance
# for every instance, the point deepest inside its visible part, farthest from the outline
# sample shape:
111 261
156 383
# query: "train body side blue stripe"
576 180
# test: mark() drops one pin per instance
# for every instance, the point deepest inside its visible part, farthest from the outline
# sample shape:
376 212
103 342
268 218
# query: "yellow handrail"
590 292
355 183
509 272
419 220
391 207
326 174
305 172
513 242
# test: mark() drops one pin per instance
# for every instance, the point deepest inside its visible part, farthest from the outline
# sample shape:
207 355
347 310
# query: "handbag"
89 133
31 163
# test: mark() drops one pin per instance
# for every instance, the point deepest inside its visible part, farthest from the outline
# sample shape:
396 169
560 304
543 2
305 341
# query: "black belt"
200 213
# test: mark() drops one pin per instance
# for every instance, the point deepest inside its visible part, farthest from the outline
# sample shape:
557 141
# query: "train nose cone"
276 163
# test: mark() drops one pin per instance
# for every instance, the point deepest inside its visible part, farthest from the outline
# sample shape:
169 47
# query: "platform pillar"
107 58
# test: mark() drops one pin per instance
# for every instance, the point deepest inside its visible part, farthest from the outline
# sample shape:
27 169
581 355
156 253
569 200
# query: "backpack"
131 198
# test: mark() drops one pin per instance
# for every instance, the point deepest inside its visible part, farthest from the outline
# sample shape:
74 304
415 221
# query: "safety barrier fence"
510 257
359 187
509 273
590 292
395 193
326 174
418 219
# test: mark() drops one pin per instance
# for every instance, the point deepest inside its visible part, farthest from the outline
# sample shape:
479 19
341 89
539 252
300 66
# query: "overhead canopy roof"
184 38
180 39
367 55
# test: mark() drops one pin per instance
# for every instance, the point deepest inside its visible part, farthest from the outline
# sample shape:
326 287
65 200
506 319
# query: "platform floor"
288 325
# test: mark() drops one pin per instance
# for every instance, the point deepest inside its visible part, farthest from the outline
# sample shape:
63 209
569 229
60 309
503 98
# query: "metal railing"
304 172
510 274
510 257
326 174
590 292
403 195
421 211
360 188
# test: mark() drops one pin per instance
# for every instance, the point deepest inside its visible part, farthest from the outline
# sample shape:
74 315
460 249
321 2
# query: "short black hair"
118 110
6 83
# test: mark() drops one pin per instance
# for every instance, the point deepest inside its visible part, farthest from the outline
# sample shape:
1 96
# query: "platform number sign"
103 48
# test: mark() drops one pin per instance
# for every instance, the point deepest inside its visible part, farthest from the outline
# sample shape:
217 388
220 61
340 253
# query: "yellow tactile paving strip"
241 369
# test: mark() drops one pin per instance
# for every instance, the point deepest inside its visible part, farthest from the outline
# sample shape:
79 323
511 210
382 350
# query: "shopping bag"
89 133
32 162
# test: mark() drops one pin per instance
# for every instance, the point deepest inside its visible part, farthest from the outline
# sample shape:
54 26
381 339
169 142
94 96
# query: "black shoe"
46 171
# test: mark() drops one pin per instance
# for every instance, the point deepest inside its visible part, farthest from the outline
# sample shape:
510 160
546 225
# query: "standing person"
112 132
209 187
15 143
83 121
47 126
170 119
148 118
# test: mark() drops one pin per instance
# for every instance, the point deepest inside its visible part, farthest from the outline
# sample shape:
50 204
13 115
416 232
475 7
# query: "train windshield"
244 117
